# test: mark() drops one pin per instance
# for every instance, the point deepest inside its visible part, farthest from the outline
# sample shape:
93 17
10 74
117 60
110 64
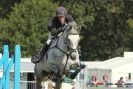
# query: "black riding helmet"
61 11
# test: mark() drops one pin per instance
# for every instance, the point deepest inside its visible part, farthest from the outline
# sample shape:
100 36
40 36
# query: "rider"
55 26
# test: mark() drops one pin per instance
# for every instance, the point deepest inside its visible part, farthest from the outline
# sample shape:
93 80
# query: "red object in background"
100 83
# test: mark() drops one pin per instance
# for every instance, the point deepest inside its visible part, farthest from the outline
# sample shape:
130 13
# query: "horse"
61 54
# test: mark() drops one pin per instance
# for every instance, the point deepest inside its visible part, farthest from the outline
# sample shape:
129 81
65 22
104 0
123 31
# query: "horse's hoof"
82 66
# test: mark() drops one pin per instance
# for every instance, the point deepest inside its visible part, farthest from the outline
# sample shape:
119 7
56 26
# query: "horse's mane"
74 30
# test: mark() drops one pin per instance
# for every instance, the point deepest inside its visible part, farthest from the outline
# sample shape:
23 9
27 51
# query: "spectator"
128 82
105 80
120 82
93 81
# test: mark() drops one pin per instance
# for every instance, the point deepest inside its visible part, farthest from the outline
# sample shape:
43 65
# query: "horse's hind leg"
38 83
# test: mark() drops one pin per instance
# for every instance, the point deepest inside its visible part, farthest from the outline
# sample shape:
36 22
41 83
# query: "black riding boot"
41 53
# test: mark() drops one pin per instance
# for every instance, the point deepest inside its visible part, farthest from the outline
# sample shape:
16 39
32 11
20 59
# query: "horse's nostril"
73 55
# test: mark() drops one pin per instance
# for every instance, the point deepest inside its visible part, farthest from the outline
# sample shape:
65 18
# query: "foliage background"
106 25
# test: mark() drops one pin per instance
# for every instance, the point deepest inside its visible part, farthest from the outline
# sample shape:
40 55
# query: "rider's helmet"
61 11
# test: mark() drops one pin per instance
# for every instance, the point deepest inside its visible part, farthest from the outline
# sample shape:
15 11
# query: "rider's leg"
45 47
41 53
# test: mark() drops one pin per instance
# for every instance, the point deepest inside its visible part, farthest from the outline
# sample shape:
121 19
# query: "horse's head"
72 39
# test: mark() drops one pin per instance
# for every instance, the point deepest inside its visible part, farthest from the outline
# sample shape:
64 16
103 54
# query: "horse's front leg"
58 83
38 83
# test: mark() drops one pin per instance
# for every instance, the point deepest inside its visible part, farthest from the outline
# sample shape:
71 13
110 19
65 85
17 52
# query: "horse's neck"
61 41
61 44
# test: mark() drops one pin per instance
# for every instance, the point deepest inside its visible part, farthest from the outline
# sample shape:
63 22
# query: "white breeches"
49 38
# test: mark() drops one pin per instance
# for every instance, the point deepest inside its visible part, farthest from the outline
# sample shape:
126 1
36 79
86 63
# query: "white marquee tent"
115 68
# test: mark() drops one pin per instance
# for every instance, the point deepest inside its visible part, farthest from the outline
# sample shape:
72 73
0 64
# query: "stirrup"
35 59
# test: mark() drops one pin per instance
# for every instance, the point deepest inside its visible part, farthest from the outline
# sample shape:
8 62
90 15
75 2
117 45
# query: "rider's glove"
55 31
66 26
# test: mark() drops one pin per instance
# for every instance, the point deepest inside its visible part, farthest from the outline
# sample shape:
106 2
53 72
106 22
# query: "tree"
27 25
6 7
106 26
104 32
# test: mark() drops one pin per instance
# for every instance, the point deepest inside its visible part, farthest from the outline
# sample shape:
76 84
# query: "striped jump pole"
6 64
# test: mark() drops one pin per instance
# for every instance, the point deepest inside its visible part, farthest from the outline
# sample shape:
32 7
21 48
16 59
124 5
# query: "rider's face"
61 19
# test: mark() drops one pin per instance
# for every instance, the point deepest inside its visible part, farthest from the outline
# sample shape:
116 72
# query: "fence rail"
6 64
101 85
79 85
27 85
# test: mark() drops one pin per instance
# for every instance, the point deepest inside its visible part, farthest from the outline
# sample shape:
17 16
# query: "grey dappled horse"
61 54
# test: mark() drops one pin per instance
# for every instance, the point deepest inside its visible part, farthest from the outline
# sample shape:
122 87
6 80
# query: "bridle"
69 49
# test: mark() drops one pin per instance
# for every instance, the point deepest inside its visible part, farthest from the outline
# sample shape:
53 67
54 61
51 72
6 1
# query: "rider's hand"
55 31
60 29
66 26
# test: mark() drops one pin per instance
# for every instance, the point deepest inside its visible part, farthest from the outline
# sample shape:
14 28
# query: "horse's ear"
74 28
78 29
